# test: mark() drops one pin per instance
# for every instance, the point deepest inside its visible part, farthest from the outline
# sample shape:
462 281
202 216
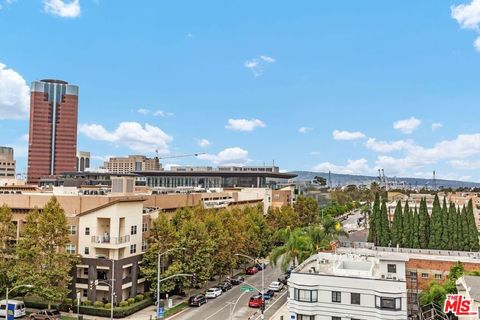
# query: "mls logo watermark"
459 306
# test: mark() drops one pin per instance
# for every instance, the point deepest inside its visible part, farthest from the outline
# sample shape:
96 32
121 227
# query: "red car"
251 270
255 301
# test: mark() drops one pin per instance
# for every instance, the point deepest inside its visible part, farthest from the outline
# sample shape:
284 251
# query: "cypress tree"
465 235
407 227
423 224
384 235
452 228
473 232
459 230
436 225
415 235
397 225
446 239
374 221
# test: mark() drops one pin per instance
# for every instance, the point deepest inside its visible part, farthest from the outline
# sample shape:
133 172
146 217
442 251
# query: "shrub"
68 302
98 304
131 301
108 306
139 297
123 304
86 303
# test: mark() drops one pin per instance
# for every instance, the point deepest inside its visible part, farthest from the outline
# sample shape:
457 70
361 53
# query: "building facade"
53 129
7 163
348 287
132 163
83 161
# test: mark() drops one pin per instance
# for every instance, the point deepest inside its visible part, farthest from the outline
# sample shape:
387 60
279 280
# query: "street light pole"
263 279
6 296
159 264
113 289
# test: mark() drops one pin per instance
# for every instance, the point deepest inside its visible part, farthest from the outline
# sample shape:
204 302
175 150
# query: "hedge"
118 312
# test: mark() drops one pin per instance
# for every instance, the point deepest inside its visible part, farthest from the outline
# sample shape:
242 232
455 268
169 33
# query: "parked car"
284 278
275 286
237 280
260 266
225 286
197 300
255 301
20 310
251 270
267 294
47 314
212 293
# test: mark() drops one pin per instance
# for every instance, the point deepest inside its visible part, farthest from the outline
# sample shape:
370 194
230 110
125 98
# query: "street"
219 308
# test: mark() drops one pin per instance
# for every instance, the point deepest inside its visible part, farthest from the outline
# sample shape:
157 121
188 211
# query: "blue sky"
373 84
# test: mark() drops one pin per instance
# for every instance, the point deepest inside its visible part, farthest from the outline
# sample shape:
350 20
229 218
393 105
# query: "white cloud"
359 166
407 125
468 16
14 95
203 143
304 130
257 65
229 156
315 153
466 164
476 44
347 135
267 59
62 8
143 111
24 137
132 135
436 125
161 113
388 146
244 124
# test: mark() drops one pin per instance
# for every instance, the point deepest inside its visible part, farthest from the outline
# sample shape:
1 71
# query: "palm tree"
295 250
332 227
318 238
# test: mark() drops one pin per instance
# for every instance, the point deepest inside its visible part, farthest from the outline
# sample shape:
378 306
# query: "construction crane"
179 155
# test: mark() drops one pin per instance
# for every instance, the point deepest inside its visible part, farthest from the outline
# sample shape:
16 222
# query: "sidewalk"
282 313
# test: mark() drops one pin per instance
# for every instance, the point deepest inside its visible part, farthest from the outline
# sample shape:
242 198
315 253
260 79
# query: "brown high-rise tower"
52 143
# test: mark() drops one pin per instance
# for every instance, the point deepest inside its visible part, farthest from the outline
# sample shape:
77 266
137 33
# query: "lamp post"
113 289
263 278
10 290
159 264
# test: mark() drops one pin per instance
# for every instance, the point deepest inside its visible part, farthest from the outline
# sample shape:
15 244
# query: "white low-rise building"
348 286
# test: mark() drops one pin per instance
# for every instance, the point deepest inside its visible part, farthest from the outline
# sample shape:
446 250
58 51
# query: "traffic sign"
246 289
161 313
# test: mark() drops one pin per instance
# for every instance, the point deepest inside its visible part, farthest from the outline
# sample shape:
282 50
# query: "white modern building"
349 286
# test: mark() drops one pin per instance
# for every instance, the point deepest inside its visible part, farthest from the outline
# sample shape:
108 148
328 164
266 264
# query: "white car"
212 293
275 286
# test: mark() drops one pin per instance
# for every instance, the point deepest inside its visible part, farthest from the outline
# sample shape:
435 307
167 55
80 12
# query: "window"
72 230
133 248
144 245
133 230
336 296
87 231
413 274
85 292
336 318
391 268
85 271
304 317
144 227
355 298
425 275
388 303
71 248
305 295
87 251
438 276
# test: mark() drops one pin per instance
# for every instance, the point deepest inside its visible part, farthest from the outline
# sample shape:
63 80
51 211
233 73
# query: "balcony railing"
111 240
82 280
127 280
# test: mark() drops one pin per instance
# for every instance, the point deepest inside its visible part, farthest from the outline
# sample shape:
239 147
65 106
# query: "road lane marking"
271 305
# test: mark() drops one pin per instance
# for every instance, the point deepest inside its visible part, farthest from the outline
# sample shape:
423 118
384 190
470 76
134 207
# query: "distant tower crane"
179 155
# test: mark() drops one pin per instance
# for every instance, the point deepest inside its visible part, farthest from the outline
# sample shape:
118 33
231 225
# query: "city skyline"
381 89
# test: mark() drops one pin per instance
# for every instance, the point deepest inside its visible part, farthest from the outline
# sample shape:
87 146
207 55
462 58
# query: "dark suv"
237 280
225 286
197 300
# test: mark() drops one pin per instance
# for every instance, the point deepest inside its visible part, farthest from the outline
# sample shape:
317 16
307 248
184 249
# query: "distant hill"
346 179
